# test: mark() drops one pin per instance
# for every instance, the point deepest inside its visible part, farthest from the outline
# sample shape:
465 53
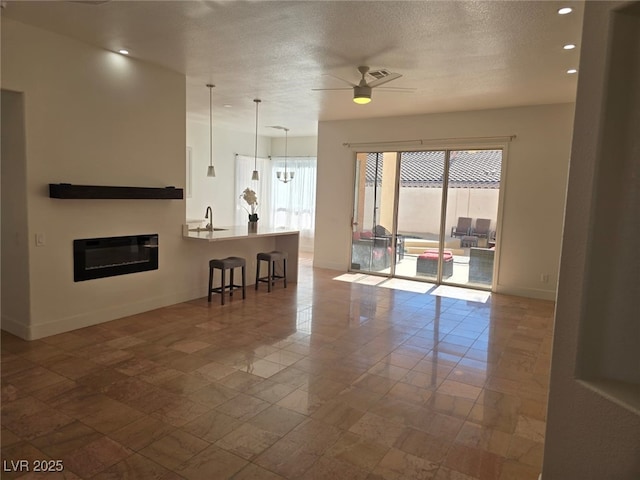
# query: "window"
244 169
281 205
293 204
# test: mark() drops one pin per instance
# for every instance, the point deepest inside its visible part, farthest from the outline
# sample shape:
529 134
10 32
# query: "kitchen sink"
202 229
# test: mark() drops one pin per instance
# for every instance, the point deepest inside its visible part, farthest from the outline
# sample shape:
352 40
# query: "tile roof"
468 169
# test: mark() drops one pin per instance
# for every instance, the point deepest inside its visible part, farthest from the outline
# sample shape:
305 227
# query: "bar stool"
229 263
271 258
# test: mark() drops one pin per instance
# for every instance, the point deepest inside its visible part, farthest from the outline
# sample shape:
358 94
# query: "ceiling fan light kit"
361 94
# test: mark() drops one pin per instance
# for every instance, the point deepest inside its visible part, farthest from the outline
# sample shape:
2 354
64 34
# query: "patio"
406 264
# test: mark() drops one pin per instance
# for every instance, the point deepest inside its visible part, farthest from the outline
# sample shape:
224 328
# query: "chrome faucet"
209 216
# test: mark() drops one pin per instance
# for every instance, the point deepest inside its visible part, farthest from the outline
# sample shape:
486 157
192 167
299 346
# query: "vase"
253 227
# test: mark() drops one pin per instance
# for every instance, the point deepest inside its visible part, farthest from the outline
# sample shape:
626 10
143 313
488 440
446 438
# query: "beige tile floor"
324 379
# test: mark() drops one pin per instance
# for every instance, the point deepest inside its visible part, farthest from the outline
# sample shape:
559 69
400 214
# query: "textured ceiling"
458 55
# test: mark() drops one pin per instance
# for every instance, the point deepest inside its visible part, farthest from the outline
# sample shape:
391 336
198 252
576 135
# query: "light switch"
40 240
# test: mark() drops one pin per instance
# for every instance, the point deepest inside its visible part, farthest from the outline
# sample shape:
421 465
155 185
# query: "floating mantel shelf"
69 191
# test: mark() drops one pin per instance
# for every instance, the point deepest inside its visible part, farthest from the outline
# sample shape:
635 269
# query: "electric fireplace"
111 256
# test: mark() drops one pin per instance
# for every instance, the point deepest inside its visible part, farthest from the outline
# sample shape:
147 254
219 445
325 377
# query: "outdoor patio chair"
482 228
381 232
463 228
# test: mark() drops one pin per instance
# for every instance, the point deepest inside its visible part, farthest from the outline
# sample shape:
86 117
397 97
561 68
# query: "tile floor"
325 379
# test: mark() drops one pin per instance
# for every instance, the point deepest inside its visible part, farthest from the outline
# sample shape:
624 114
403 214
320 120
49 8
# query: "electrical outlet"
40 240
544 277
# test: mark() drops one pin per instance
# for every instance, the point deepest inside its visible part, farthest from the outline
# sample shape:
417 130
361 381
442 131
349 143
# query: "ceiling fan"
362 90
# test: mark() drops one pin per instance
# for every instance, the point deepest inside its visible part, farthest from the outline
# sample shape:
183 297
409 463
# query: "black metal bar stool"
229 263
271 258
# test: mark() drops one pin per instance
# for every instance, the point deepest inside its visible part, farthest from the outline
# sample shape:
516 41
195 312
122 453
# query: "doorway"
427 215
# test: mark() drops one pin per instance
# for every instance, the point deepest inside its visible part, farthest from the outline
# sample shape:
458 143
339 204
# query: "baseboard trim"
88 319
329 265
14 327
526 292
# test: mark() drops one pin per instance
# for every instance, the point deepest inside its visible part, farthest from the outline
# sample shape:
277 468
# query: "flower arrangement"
251 198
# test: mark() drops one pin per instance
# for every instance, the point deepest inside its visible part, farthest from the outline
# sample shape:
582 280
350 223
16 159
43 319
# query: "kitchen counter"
235 232
235 240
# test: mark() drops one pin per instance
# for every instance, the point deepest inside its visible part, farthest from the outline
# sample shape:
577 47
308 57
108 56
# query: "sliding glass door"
473 188
373 245
427 215
419 213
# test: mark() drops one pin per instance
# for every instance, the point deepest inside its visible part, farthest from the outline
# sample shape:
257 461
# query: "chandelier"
286 176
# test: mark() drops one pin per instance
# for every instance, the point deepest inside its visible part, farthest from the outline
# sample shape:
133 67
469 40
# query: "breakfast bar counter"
235 232
248 244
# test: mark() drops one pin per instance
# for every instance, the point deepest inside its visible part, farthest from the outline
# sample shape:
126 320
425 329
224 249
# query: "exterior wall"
419 208
593 425
534 184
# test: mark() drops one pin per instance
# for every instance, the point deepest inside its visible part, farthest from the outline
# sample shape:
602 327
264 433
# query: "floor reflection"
323 379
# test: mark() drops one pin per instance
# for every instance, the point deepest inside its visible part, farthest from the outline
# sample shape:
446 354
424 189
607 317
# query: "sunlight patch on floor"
360 278
416 287
462 293
392 283
407 285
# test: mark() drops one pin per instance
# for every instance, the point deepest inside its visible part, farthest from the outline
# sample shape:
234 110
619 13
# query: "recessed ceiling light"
123 51
572 70
569 46
565 10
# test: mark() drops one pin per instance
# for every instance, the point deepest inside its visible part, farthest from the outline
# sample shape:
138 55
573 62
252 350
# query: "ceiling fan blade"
397 89
383 80
341 88
341 79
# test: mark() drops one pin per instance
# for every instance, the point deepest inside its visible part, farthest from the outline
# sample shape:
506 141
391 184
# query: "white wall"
593 424
219 192
96 117
92 117
534 185
296 146
15 239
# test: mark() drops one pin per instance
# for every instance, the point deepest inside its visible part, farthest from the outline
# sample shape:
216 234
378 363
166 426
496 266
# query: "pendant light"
255 175
286 176
211 171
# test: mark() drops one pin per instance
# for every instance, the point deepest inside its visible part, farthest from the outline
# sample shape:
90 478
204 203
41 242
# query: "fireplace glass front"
111 256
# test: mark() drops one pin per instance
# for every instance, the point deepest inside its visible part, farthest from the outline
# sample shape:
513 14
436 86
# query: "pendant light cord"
255 157
286 142
211 171
210 125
